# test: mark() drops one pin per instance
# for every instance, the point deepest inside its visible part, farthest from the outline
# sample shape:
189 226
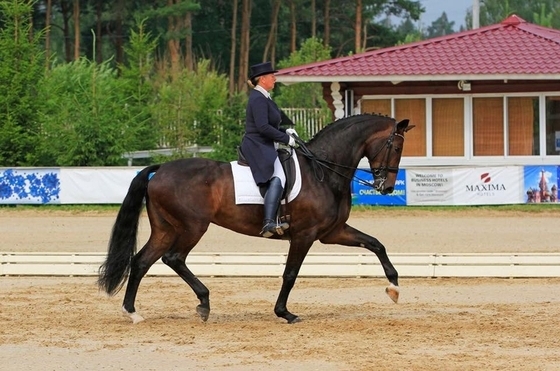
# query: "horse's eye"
398 149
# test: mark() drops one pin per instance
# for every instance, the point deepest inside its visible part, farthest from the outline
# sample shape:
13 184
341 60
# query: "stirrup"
272 228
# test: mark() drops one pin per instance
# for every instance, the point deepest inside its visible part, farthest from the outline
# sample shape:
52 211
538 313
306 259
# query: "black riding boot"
272 199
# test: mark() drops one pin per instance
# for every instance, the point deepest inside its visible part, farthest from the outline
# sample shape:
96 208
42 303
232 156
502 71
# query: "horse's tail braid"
122 244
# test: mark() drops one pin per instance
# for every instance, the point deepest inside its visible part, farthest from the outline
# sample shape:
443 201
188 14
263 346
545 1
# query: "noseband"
381 171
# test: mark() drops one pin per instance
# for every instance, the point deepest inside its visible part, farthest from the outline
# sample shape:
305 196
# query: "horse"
182 197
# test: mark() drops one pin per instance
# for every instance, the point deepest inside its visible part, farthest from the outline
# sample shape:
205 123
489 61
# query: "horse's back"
195 183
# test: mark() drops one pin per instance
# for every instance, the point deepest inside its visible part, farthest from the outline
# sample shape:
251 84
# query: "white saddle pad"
247 191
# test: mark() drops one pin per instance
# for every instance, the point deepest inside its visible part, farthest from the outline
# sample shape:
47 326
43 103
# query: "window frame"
468 157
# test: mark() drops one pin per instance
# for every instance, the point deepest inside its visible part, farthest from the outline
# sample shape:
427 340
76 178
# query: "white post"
476 14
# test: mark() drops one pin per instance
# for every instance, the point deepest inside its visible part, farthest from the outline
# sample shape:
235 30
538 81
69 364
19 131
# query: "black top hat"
261 69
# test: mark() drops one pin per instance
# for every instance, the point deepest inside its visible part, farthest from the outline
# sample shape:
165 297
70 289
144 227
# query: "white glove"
292 142
291 132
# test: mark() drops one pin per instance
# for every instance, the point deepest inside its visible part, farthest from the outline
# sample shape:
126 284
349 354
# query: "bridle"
378 173
382 171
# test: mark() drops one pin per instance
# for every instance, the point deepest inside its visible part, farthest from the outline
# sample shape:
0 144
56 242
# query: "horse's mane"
345 123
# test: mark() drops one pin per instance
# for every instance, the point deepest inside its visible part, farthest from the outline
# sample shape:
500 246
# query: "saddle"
284 155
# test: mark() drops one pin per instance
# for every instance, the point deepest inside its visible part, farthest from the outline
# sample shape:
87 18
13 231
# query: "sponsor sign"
488 186
541 184
429 186
364 194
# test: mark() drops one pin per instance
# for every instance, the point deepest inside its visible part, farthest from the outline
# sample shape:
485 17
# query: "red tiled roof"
510 49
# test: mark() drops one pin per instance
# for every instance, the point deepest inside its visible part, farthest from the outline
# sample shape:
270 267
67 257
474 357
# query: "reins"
318 164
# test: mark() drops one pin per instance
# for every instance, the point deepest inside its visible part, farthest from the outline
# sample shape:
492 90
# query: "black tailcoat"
262 129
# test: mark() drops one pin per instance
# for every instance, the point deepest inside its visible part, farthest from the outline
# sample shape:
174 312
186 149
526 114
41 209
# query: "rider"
259 144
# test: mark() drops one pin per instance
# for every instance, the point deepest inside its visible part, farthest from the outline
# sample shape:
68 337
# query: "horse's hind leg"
139 266
175 259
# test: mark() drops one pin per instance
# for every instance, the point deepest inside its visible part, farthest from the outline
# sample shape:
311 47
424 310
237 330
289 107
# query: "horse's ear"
403 124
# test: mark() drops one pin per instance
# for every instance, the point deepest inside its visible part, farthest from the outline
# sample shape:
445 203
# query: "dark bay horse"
184 196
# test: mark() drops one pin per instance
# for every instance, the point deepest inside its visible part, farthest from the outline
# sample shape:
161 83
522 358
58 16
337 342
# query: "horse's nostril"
389 190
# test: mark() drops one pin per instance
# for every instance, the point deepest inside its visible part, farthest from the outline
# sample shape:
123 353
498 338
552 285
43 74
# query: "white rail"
315 264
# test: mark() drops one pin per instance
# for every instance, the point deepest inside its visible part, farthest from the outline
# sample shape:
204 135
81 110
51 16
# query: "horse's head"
384 161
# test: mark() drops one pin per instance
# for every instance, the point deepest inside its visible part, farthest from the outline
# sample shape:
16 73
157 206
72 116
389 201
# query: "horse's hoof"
296 319
393 292
203 312
135 317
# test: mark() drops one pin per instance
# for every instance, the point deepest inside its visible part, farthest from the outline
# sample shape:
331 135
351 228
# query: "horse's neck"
342 154
345 150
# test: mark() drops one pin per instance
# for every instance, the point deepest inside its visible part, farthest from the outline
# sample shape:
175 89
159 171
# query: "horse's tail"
122 244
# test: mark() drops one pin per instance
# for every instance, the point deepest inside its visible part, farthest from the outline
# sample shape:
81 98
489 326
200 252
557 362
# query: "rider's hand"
291 132
292 142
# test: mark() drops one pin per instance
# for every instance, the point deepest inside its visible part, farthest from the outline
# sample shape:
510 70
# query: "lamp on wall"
464 85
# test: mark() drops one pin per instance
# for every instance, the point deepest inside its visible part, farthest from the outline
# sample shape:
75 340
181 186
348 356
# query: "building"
483 97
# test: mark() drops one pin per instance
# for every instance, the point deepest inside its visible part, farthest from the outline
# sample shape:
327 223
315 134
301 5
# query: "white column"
337 101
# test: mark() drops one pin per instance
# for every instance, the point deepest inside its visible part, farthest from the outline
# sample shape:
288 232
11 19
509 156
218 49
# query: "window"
415 111
523 126
553 125
377 106
488 126
448 127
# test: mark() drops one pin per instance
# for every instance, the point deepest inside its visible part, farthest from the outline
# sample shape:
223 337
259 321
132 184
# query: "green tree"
440 27
21 70
86 121
495 11
304 95
137 78
189 107
232 127
408 32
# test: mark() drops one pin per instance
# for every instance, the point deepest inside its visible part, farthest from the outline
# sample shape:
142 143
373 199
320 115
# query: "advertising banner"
488 186
29 186
541 184
364 194
429 186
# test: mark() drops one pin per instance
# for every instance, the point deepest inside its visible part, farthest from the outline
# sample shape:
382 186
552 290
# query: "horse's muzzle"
379 185
387 190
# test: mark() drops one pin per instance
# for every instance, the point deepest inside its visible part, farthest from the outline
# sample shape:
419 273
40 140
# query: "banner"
29 186
420 186
541 183
95 186
488 186
364 194
429 186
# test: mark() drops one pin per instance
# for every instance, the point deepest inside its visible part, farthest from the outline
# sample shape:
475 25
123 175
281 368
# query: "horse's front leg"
296 255
349 236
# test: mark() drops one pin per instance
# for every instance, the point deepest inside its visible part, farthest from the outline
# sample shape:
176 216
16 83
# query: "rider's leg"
272 200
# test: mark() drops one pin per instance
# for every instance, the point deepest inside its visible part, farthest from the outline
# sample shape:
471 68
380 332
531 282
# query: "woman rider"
259 144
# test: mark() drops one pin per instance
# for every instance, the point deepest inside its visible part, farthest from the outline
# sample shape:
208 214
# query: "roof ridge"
550 34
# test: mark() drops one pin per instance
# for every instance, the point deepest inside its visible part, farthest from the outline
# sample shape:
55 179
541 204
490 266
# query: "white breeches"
279 172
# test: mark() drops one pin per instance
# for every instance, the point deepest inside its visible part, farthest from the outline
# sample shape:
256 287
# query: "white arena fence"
315 265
